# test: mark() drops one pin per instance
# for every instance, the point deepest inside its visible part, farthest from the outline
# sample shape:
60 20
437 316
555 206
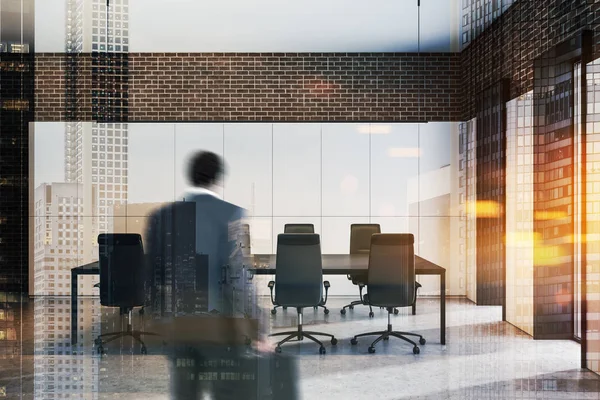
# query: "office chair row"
360 243
390 280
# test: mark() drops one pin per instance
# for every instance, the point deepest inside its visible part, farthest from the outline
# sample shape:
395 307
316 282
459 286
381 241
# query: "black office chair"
122 281
297 228
298 281
391 282
360 243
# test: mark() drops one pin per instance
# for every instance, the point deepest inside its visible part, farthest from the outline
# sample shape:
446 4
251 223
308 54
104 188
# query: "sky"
272 25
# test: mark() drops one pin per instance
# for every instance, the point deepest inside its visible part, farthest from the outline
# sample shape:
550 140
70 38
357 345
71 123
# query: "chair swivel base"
299 335
360 303
356 303
385 335
274 309
325 309
110 337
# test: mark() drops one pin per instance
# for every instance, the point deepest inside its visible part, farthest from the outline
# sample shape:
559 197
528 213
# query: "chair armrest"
271 285
417 286
327 285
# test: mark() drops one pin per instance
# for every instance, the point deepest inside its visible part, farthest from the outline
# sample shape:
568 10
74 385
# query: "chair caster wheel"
351 307
422 341
416 350
322 350
343 311
326 311
386 338
396 311
285 308
278 349
371 349
371 314
315 307
353 341
333 341
144 350
273 311
381 308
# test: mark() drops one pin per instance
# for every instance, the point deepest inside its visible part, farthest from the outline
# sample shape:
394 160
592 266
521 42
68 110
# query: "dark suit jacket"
173 241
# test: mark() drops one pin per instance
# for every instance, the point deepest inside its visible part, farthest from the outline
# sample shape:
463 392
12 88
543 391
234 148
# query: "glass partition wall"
402 176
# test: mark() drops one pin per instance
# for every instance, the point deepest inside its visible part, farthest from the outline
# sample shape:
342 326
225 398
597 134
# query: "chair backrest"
299 228
122 269
298 272
391 276
360 237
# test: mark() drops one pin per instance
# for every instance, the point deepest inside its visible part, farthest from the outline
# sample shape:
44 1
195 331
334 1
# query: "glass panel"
519 213
345 170
394 161
249 162
592 216
296 170
151 163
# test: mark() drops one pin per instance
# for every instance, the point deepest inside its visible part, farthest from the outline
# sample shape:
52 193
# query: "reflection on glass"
520 238
592 215
467 181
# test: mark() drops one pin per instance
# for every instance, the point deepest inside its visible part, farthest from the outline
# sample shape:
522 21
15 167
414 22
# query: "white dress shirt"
200 190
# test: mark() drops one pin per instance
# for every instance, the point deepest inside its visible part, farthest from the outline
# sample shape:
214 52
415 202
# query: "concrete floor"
484 359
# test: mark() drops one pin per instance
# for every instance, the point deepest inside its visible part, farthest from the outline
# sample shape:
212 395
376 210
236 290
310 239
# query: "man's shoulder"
217 204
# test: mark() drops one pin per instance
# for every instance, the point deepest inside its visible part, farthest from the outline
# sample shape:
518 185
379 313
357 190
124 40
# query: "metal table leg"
443 307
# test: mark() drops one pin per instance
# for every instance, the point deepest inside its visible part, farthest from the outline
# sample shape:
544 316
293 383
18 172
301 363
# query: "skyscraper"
70 215
17 82
96 154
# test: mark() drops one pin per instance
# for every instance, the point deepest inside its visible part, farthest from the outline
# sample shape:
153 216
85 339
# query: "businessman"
209 356
217 223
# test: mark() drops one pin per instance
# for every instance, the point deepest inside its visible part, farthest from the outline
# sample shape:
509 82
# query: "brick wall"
508 48
276 87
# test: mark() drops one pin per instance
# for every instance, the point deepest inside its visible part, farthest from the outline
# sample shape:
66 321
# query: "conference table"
347 264
264 264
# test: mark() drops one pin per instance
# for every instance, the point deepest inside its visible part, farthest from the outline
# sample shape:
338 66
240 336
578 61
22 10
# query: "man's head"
205 169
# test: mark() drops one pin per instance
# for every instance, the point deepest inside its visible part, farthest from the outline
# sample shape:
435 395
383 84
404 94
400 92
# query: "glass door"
577 234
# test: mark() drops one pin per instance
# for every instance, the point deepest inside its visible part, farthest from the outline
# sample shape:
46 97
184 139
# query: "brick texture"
508 48
270 87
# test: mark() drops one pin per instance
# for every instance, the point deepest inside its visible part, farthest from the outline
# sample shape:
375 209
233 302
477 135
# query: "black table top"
342 264
333 264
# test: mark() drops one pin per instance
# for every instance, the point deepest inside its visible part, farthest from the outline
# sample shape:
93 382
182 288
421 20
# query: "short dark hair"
205 168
